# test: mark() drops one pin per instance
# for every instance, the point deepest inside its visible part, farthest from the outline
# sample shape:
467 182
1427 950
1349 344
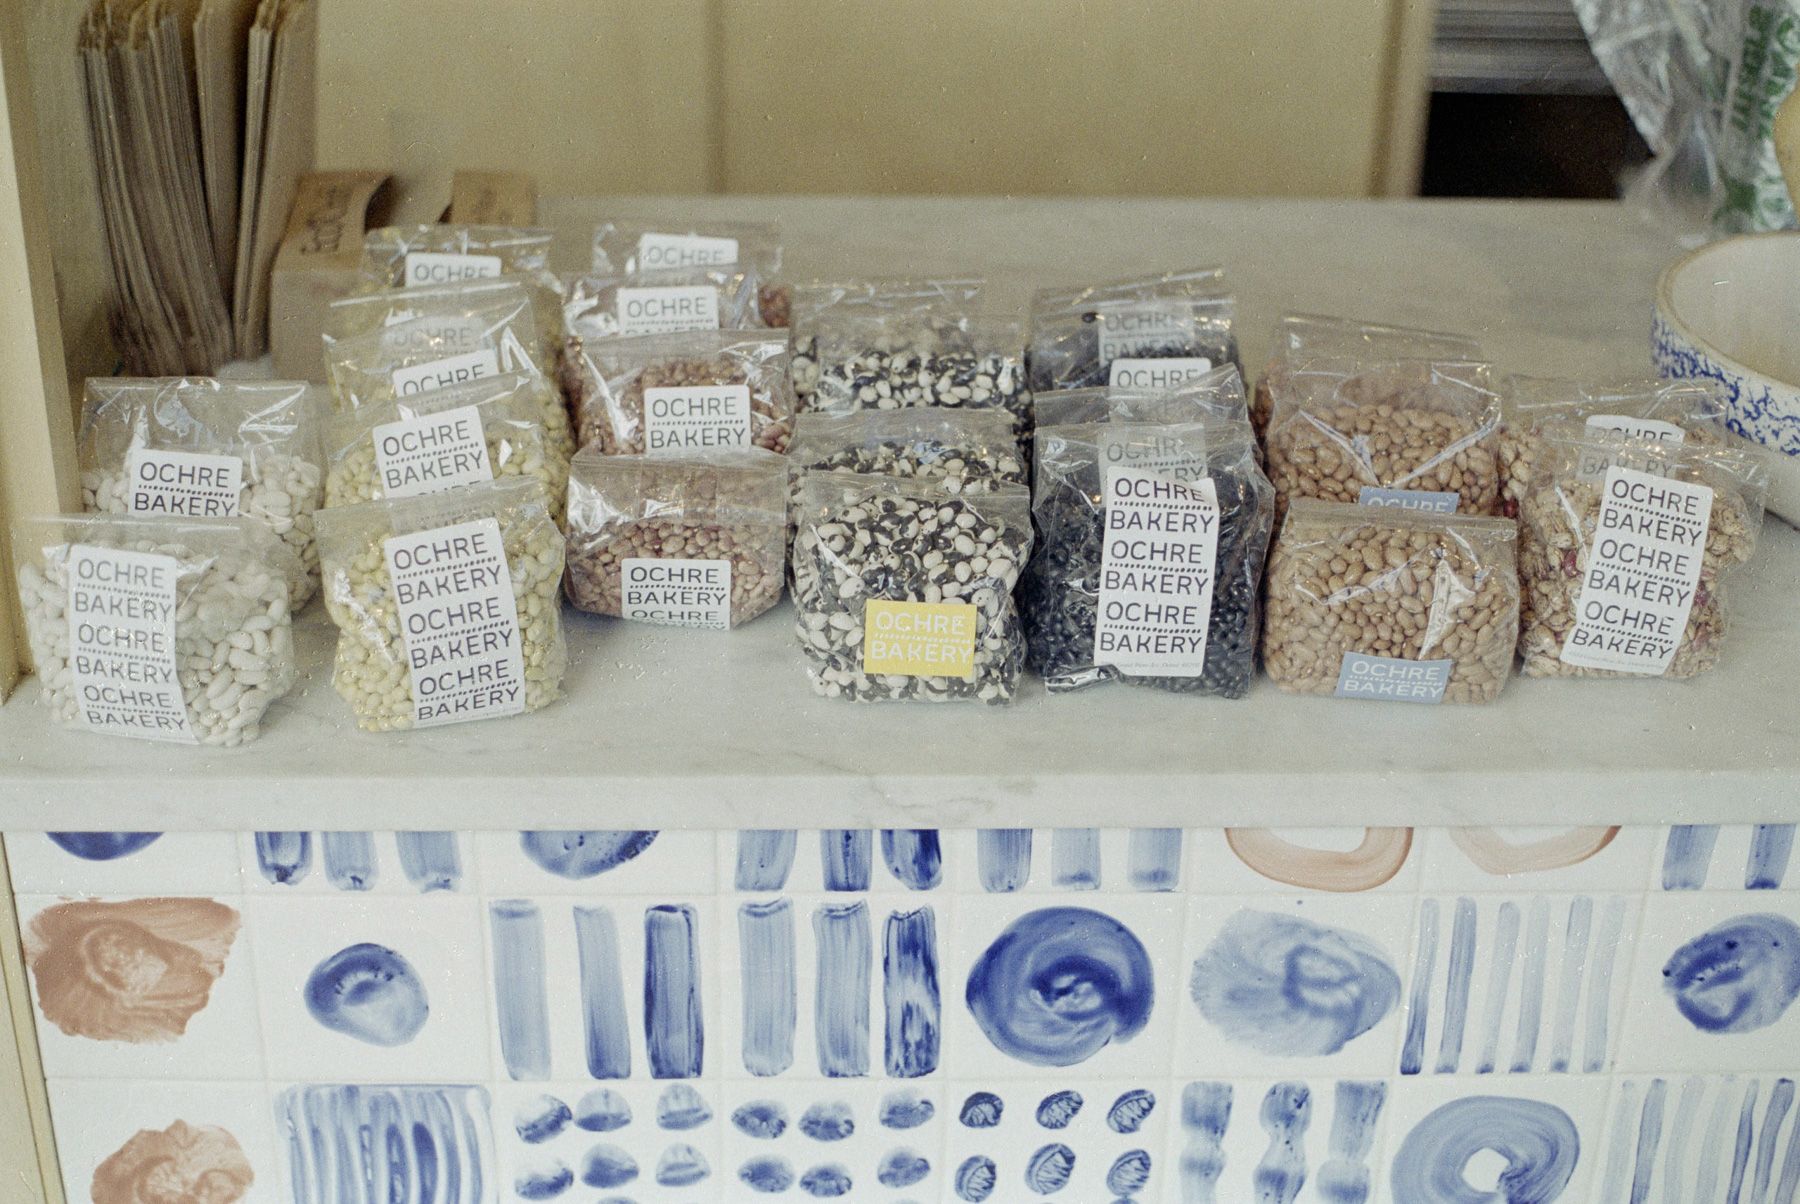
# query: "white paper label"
190 484
1156 574
1393 679
458 621
447 267
668 310
676 593
1146 450
122 644
695 417
1428 500
659 252
1643 567
431 454
1153 376
441 374
1637 428
436 334
398 315
1134 330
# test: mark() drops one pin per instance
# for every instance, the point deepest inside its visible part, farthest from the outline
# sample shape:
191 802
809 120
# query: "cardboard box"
317 263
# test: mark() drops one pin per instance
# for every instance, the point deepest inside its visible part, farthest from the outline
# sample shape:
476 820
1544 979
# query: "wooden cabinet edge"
27 1145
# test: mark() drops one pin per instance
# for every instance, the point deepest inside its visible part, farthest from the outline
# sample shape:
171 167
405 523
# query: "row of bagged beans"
676 436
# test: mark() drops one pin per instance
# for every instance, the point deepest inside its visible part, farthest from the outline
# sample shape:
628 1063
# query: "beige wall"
1168 97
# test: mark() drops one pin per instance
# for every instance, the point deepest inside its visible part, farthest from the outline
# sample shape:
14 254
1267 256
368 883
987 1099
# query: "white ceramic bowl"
1731 312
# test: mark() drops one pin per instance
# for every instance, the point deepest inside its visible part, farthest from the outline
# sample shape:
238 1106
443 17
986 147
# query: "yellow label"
919 639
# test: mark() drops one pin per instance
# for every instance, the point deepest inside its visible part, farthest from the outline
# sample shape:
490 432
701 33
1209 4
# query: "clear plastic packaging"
376 309
907 592
1671 411
183 631
1217 394
485 429
742 258
816 300
194 446
1353 591
1087 336
1646 589
493 646
1303 337
442 349
882 361
690 541
1355 431
1158 603
410 256
680 393
966 451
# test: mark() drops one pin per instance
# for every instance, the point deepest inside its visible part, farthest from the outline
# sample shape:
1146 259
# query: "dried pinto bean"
1399 584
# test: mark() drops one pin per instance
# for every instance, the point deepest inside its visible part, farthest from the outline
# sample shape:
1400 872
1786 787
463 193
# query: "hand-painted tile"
1289 861
357 863
1701 1139
1018 962
142 988
1754 857
1497 860
1307 1140
1714 983
362 989
1453 1139
123 863
1518 985
836 985
590 982
833 1139
846 861
128 1142
653 1142
1291 986
411 1143
1101 1139
1067 860
673 863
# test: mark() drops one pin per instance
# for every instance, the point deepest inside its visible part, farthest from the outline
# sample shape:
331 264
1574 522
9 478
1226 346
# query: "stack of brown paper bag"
200 123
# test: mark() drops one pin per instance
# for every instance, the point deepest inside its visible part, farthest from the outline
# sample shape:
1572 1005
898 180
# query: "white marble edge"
1551 288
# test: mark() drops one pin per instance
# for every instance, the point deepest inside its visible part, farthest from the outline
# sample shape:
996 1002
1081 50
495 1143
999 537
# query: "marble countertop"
665 729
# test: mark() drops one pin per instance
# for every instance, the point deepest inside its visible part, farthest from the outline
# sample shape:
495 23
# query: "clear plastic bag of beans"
952 297
481 430
1149 556
967 451
1303 337
905 593
1666 411
674 394
440 349
738 256
169 629
680 541
411 256
1627 550
1218 394
1414 433
1397 605
447 605
375 309
1148 334
877 361
196 447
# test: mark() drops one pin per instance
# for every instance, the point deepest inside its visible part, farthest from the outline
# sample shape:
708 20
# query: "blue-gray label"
1407 499
1391 679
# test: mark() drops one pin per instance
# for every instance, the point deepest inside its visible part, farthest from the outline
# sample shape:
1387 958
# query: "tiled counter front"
1428 1016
